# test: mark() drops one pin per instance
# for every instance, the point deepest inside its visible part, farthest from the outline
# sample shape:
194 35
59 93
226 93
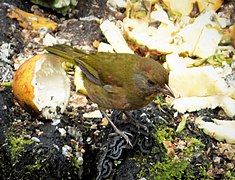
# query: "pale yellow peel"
78 81
115 38
192 104
222 131
208 42
185 7
197 81
201 37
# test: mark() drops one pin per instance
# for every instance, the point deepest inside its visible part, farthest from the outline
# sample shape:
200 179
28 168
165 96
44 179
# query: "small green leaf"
182 124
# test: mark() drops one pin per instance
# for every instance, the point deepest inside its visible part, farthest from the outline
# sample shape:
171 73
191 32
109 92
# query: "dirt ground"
34 148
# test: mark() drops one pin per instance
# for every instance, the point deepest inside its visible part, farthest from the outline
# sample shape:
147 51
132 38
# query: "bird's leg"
123 134
136 122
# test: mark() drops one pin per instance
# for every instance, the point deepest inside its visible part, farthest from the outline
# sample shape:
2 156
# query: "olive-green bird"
117 81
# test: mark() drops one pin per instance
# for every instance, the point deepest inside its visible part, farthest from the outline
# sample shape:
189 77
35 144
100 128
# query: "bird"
117 81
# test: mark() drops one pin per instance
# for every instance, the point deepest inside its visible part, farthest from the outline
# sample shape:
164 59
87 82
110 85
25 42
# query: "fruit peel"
22 88
185 7
218 129
210 82
40 85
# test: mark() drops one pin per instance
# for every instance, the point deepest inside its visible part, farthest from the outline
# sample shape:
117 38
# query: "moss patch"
174 157
17 145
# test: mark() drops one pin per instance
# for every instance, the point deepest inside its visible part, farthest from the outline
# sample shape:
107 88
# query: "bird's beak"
167 91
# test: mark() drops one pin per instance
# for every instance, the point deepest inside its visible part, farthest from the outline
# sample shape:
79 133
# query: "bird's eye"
151 83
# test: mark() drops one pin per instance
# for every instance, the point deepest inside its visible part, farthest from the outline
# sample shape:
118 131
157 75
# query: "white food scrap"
105 47
191 104
93 114
51 86
201 87
197 81
114 36
201 37
221 130
78 81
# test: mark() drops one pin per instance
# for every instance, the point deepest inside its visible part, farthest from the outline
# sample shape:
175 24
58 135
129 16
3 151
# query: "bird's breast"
118 98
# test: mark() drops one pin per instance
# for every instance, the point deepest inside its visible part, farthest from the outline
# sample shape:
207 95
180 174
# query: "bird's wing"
74 56
63 51
89 66
89 72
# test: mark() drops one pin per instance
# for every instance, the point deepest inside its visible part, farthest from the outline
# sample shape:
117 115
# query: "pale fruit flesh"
41 86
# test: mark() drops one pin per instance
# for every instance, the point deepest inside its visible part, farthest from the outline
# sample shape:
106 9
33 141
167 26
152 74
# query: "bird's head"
151 77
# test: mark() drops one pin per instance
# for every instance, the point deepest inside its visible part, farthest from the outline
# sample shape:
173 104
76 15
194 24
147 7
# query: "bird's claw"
123 134
136 123
142 126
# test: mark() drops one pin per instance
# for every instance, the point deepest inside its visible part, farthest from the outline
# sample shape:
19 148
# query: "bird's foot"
123 134
139 125
136 123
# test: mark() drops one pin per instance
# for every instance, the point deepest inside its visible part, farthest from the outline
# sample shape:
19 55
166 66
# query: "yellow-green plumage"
116 80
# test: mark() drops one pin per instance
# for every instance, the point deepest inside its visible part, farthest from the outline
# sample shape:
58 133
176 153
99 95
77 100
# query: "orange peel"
30 21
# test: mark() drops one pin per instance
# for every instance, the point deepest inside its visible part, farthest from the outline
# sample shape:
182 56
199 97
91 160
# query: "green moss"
230 175
197 145
17 145
164 134
31 168
77 162
164 170
179 162
168 169
159 100
176 166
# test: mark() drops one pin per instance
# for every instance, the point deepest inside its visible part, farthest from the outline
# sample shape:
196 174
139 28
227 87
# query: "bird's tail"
67 52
